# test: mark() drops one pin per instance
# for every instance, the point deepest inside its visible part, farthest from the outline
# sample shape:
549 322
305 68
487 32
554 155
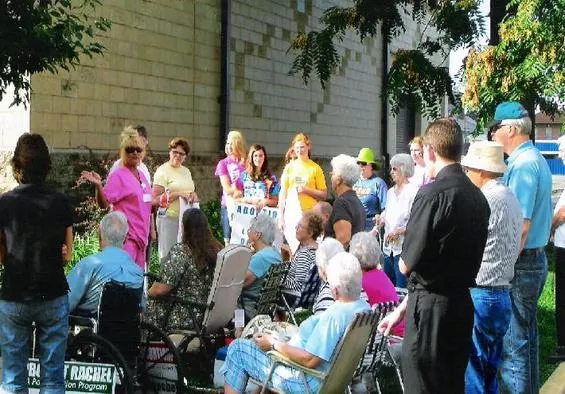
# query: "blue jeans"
492 318
224 219
52 325
392 270
520 359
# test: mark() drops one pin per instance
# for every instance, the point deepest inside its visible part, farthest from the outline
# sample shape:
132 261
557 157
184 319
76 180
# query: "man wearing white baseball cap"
484 165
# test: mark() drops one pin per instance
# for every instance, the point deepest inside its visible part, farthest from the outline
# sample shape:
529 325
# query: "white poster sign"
243 213
79 377
162 370
292 215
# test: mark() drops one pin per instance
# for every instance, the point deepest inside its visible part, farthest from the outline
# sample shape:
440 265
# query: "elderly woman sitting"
311 347
261 235
375 283
395 217
348 214
308 230
327 249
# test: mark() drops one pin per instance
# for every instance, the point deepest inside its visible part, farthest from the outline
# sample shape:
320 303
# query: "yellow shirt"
307 174
174 180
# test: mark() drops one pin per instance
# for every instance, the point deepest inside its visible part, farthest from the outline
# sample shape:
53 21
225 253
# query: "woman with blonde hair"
172 182
229 170
302 174
417 153
128 191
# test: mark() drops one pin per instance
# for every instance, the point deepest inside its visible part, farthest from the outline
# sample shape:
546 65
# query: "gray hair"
327 249
113 229
366 248
404 163
265 226
524 125
346 168
344 275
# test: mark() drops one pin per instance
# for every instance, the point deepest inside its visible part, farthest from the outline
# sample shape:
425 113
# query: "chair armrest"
279 358
82 321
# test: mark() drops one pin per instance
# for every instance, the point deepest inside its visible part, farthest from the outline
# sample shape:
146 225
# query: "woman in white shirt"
395 217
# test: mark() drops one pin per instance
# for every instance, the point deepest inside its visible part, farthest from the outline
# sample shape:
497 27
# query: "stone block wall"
161 69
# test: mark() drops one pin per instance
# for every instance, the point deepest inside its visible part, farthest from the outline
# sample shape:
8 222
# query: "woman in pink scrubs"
127 190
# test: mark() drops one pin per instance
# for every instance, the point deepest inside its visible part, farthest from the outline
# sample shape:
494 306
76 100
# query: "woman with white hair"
312 346
260 235
348 214
375 283
327 249
395 217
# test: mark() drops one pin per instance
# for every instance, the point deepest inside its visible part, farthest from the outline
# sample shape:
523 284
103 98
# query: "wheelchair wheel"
91 348
159 366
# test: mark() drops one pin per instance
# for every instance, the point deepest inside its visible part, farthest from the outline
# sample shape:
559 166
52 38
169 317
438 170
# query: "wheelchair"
145 358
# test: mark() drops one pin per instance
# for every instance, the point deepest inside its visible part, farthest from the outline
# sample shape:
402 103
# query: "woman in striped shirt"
308 230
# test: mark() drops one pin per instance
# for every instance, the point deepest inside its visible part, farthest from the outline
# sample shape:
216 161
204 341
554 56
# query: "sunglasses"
362 163
131 149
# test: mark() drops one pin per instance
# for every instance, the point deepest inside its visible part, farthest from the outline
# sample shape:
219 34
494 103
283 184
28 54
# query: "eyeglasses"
362 163
131 149
178 153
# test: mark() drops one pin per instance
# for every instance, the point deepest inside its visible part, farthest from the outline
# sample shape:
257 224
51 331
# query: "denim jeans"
392 270
52 325
519 371
224 220
492 318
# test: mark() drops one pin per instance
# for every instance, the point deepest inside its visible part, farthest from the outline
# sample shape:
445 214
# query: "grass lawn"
546 320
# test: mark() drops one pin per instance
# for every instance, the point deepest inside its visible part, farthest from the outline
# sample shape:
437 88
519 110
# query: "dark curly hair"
31 161
198 237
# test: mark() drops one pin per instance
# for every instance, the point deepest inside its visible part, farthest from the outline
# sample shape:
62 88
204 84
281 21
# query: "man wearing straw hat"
484 165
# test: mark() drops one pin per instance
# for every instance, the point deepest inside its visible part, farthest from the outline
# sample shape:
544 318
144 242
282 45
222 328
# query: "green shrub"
212 211
83 245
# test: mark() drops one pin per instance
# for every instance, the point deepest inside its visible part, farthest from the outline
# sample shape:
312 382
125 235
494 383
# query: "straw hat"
486 156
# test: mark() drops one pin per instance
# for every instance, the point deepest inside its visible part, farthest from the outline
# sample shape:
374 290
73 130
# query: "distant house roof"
543 118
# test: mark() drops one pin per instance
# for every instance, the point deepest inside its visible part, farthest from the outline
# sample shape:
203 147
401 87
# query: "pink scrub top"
132 197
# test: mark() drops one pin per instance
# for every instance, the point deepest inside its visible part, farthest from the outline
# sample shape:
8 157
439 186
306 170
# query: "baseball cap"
507 110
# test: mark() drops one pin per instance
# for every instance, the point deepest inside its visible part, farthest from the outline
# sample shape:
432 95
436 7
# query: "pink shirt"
131 196
230 168
379 288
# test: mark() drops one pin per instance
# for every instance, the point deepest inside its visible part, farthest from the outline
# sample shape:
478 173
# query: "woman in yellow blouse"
302 174
172 181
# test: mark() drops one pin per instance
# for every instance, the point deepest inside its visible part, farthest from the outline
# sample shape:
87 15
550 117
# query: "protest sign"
161 369
79 377
243 213
292 215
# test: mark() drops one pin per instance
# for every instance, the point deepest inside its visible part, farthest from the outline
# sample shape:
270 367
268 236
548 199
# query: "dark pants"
437 341
560 295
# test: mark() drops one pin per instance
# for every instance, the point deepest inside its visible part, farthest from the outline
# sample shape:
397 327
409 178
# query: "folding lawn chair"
307 296
270 293
345 357
200 345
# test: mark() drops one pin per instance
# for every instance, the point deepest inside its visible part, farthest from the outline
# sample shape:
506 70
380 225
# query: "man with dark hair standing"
442 253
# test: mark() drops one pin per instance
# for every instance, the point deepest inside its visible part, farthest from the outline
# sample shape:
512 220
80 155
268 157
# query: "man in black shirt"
348 214
442 252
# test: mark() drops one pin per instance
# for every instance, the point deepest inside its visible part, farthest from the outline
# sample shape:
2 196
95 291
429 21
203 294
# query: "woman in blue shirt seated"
257 184
311 347
261 235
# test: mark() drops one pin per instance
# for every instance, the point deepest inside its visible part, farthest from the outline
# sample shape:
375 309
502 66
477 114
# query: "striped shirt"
299 269
503 240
